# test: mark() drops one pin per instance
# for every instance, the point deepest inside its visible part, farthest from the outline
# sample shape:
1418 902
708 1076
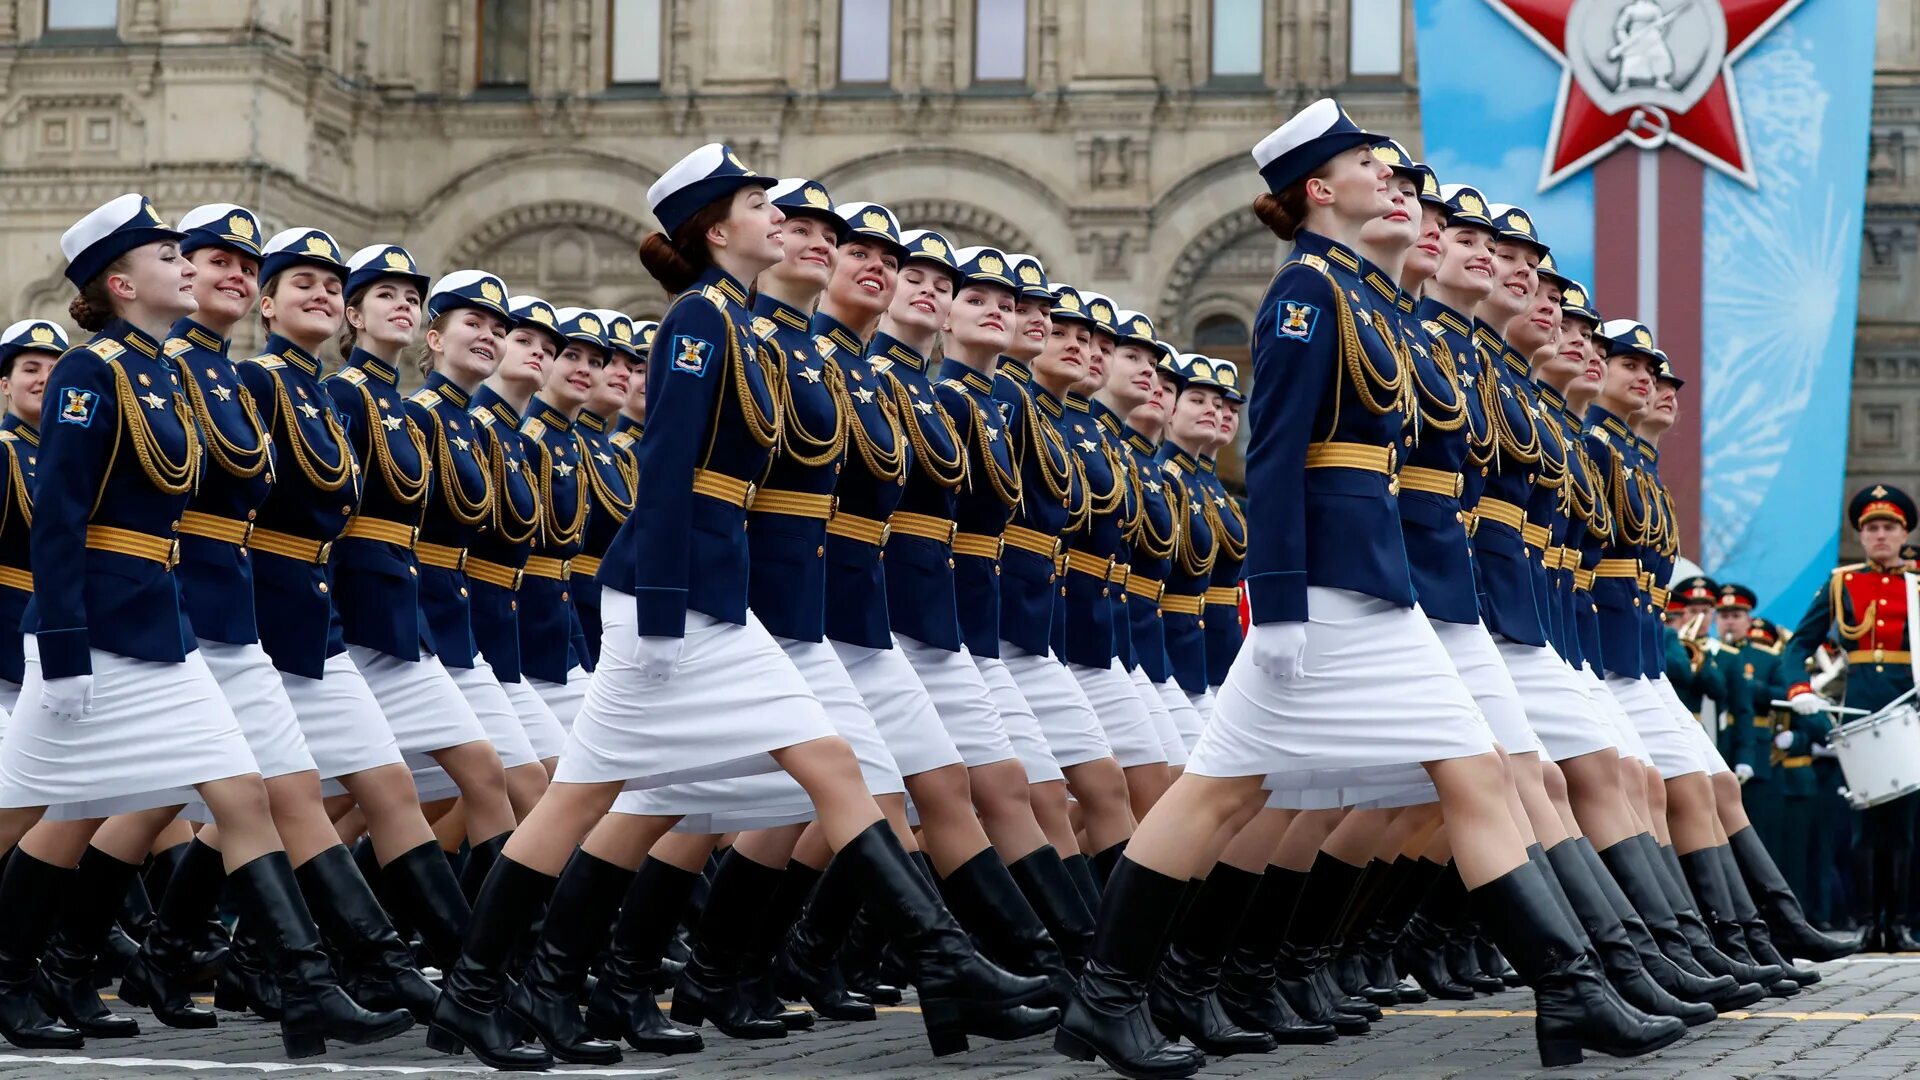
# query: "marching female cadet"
691 685
374 570
222 241
28 349
1193 425
1224 634
466 335
1328 586
496 565
316 490
611 470
1085 633
112 643
632 421
1053 493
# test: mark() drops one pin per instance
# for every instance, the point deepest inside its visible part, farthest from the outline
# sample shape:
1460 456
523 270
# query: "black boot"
990 906
1494 962
1421 944
472 1013
1574 1010
1080 868
1619 959
1102 863
246 984
1709 887
1409 884
806 969
622 1005
712 987
769 935
1109 1017
547 998
1779 907
961 993
1693 924
1680 974
1303 954
1747 913
1349 966
480 860
378 966
31 893
316 1009
65 982
1900 938
124 936
1462 953
1182 998
1048 885
428 896
172 959
1249 989
157 875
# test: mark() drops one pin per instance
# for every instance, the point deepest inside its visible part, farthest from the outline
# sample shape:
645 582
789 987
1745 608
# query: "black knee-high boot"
246 984
31 893
1629 869
1720 992
1081 870
65 983
1048 885
1249 977
806 969
1101 863
124 935
1747 913
1183 998
173 959
713 984
472 1012
427 895
1109 1017
1304 951
768 936
1574 1008
547 998
378 966
480 860
1686 913
1348 966
1780 907
622 1005
983 895
1423 944
316 1009
1715 904
1619 959
1412 879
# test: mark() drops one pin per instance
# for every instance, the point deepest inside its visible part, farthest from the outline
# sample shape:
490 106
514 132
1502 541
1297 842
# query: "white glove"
1743 772
1784 740
1824 750
69 698
1807 703
657 657
1280 649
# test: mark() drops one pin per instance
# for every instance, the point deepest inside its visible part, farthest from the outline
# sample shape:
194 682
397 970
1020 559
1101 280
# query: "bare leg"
950 829
1690 813
1172 839
1304 837
245 815
1002 795
1486 842
1657 806
1355 838
1726 800
1101 796
1145 785
483 788
385 795
525 784
1049 801
1599 801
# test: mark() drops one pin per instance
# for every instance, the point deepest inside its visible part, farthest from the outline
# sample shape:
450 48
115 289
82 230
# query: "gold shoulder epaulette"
176 346
1171 467
1848 568
483 417
1314 261
105 348
269 362
534 429
824 345
762 327
713 295
428 398
352 375
622 439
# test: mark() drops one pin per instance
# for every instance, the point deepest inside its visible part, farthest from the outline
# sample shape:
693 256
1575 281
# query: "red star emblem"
1649 72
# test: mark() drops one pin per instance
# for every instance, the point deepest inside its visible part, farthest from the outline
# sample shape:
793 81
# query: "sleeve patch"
77 406
690 355
1297 321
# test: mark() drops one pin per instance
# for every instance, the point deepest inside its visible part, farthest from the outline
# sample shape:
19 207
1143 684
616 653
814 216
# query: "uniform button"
176 526
1409 440
322 586
563 597
251 514
819 551
882 556
414 570
1051 577
347 510
1483 470
1460 516
1203 624
1104 592
243 552
463 590
513 605
949 564
996 569
1063 590
1158 614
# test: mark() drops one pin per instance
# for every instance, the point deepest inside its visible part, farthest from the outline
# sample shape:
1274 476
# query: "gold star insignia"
925 407
312 413
1153 486
603 457
222 393
391 423
153 400
1220 500
1507 390
1197 509
462 443
1087 445
812 375
563 469
513 465
865 395
993 434
1466 378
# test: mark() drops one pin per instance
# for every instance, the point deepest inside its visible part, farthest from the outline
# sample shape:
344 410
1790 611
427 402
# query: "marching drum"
1880 755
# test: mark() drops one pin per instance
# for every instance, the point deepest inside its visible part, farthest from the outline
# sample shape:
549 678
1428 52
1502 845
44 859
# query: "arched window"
1221 332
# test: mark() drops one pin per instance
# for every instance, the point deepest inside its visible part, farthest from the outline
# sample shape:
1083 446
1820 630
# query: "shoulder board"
824 345
8 436
351 375
1172 467
534 429
878 364
268 362
762 327
105 348
176 346
954 384
428 398
1314 262
483 417
622 439
714 296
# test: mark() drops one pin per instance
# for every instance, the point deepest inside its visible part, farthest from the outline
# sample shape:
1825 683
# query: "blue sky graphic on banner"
1780 273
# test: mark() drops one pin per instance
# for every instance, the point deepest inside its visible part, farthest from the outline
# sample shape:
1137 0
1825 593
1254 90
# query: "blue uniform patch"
77 406
1296 321
690 355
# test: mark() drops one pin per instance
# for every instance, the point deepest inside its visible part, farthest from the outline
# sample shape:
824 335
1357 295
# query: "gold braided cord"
1145 538
406 490
1050 451
546 498
1103 503
168 476
465 509
1522 449
803 446
1190 560
508 523
1450 413
1080 513
603 493
763 425
1553 453
244 462
1633 528
1854 631
319 473
1482 443
1233 542
946 472
21 495
886 465
1380 394
1004 481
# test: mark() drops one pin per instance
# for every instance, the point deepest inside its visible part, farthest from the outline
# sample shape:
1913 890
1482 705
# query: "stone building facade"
1109 137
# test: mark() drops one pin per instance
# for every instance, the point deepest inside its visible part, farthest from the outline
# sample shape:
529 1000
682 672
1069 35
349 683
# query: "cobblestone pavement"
1861 1022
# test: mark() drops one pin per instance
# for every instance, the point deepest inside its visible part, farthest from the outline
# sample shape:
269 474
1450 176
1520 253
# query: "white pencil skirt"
960 695
1203 704
537 722
345 729
1378 696
259 701
1184 709
423 706
1669 748
765 800
1557 704
1627 737
564 699
495 710
9 700
902 710
155 729
1067 720
1123 716
733 697
1171 742
1710 756
1017 718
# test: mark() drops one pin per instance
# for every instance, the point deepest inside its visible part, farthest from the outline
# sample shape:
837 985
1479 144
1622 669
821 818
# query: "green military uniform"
1756 666
1702 671
1863 608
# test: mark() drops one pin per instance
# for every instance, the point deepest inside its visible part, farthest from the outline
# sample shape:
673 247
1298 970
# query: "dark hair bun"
85 316
1282 214
664 261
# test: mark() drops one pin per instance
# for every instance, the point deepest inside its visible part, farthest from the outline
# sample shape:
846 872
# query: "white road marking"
191 1065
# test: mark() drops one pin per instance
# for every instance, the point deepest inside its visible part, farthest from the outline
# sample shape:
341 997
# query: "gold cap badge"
397 260
590 324
241 226
1029 274
318 245
991 265
816 197
42 335
874 219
